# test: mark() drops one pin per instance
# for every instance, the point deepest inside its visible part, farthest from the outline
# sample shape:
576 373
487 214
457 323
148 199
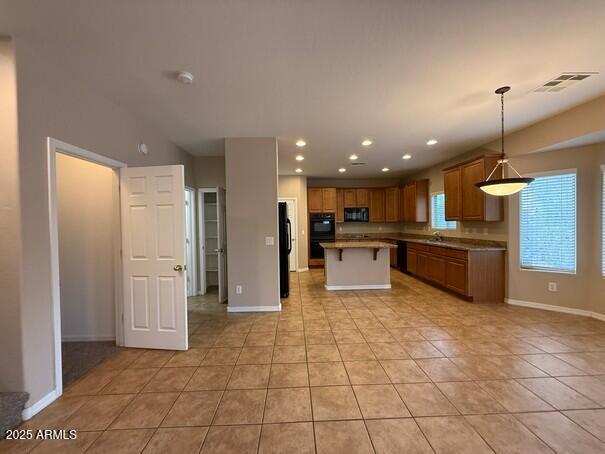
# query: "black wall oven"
322 230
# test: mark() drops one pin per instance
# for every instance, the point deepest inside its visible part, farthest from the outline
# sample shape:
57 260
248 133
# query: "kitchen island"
357 265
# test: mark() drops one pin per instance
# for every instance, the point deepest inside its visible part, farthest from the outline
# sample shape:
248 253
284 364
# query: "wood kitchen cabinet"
414 201
392 204
466 202
362 197
340 205
321 200
350 198
377 205
477 275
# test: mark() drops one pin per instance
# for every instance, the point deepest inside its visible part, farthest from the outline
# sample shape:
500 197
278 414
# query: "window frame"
550 173
446 228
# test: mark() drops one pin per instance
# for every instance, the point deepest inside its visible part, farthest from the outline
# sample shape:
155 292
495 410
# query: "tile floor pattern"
406 370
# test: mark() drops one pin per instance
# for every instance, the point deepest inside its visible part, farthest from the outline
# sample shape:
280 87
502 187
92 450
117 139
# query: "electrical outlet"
340 228
380 228
552 286
269 241
238 289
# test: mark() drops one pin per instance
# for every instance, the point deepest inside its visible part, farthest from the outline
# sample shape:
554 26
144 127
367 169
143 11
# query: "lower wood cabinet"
477 275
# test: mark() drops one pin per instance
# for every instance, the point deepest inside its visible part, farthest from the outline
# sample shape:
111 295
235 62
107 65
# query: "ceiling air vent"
563 81
358 163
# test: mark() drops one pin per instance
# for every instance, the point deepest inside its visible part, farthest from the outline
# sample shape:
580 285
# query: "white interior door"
222 246
293 257
153 255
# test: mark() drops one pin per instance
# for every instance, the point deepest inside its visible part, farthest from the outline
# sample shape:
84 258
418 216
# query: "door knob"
178 268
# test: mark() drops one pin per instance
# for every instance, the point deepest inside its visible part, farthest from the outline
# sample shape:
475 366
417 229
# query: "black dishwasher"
402 256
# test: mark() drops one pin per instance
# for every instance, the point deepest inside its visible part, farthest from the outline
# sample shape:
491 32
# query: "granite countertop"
364 244
463 244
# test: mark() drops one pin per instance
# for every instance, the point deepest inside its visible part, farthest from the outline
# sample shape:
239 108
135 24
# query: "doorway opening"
190 242
291 202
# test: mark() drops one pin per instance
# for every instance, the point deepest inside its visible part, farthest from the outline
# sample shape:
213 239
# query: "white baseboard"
88 338
553 308
37 407
254 308
303 269
358 287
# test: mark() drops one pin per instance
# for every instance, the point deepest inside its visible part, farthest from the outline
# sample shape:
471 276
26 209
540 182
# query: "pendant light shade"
503 186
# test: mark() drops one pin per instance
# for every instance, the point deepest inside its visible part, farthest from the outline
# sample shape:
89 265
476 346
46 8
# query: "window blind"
548 223
438 213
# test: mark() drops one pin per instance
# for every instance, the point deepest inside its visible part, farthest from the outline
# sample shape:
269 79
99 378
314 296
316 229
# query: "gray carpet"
80 357
11 406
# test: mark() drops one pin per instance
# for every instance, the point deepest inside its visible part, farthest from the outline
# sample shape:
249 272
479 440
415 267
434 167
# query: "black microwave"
357 215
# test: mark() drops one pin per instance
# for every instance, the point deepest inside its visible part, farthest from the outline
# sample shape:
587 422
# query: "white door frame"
55 146
194 243
201 221
294 227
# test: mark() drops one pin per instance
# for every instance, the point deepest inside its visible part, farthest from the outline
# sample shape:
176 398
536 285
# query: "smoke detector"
185 77
563 81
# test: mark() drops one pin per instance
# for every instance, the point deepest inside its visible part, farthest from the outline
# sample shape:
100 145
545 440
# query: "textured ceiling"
331 72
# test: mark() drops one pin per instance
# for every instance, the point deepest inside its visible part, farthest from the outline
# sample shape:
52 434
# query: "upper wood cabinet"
414 201
452 183
321 200
363 198
350 198
340 205
377 205
392 204
466 202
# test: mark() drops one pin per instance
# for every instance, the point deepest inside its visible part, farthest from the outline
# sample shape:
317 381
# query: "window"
603 224
547 216
438 213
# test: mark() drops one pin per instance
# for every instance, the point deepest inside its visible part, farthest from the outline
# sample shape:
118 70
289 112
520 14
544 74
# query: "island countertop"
358 245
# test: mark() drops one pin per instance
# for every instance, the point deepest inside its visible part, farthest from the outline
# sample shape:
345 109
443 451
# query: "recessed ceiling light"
385 169
406 156
353 157
300 143
298 170
300 157
432 142
342 170
367 143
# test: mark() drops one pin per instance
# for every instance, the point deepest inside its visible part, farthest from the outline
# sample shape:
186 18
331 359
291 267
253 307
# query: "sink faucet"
437 236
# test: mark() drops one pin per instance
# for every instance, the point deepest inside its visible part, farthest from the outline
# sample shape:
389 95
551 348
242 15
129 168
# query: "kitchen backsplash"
368 227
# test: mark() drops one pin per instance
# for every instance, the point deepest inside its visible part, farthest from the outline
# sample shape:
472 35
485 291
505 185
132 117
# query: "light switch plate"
269 241
552 286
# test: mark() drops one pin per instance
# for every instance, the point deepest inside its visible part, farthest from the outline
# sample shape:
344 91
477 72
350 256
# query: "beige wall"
86 214
294 186
209 171
11 361
252 193
52 103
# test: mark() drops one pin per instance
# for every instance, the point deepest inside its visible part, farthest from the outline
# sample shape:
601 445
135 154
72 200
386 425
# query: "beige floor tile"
319 338
469 398
548 345
122 359
506 435
324 374
515 367
560 433
290 354
255 355
366 372
55 414
552 365
513 397
592 387
288 375
452 434
129 381
241 407
170 379
377 335
591 420
592 363
356 352
260 339
232 440
292 438
478 367
221 356
406 334
77 446
152 358
249 376
348 336
560 396
396 436
209 378
290 338
145 411
334 402
322 353
342 437
288 405
92 383
441 369
421 349
425 399
121 441
230 340
98 412
388 350
190 358
182 440
404 371
380 401
194 408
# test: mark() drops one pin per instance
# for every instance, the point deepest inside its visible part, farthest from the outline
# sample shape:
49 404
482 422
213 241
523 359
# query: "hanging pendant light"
503 186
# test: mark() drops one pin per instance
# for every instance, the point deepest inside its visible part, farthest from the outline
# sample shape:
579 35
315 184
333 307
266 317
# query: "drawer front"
437 250
457 254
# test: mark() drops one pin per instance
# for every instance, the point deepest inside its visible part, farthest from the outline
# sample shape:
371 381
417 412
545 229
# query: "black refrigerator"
285 247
